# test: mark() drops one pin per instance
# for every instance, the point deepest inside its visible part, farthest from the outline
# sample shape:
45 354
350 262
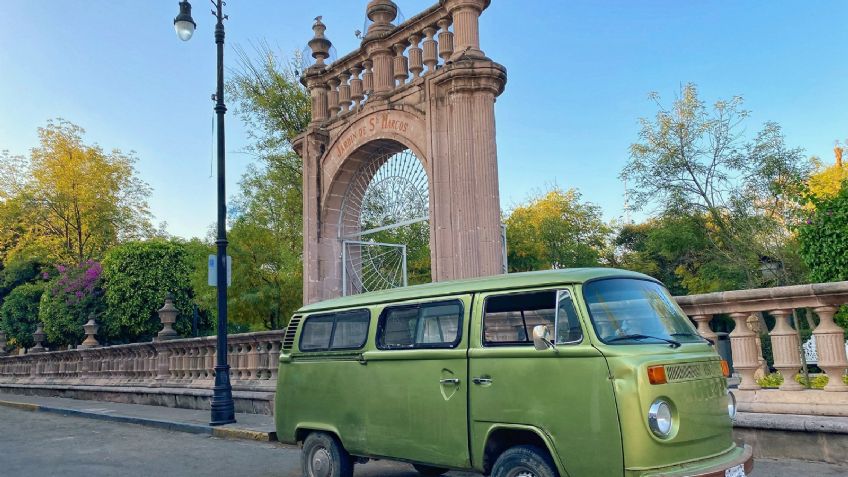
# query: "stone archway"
394 94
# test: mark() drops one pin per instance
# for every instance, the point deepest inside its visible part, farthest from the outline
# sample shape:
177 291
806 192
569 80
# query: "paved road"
52 445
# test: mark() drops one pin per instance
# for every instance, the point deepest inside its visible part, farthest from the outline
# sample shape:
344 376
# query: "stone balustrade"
180 363
744 308
390 56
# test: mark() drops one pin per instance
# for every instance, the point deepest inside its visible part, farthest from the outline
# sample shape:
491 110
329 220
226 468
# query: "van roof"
473 285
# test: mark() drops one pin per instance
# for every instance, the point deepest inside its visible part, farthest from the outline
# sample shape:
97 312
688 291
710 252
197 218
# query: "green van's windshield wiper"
672 343
695 335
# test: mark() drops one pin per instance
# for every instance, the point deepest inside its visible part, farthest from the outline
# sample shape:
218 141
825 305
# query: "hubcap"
320 463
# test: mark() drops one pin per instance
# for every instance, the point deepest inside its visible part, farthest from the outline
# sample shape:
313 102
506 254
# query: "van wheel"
524 461
428 471
324 456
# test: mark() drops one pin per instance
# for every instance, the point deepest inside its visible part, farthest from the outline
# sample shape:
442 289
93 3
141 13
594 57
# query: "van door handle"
452 381
482 381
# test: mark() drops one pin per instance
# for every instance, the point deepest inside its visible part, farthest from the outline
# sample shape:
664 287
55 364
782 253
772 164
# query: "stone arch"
424 85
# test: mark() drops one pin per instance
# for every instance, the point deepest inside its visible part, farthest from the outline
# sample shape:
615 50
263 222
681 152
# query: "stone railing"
182 363
744 306
390 56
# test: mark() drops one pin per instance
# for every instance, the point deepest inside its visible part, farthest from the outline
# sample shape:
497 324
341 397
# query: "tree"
555 230
70 201
693 160
19 314
139 275
827 180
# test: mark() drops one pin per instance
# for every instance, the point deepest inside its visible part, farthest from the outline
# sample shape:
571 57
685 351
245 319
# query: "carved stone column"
704 329
416 60
168 316
466 26
786 349
91 329
830 345
754 324
38 337
401 64
743 344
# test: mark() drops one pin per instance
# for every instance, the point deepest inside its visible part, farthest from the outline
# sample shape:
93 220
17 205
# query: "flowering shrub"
71 296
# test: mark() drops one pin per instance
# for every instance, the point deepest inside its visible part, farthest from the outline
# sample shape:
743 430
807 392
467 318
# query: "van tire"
521 459
322 449
429 471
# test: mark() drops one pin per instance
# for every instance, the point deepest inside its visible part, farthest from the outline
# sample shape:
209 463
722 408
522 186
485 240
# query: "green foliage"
138 277
774 380
19 313
823 237
555 230
17 272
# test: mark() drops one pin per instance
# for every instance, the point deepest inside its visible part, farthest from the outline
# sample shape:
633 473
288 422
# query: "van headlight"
660 419
731 405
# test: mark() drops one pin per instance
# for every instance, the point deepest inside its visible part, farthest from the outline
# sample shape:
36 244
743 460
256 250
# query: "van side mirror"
541 338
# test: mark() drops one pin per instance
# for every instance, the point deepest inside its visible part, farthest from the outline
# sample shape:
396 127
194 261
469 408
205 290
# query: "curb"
220 432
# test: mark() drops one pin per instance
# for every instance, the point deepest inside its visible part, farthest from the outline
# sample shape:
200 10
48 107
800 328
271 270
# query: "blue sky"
579 76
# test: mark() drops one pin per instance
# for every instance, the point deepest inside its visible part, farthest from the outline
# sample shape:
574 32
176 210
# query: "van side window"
426 325
509 319
335 331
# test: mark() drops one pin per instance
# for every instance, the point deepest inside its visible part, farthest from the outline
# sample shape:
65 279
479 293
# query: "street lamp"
223 410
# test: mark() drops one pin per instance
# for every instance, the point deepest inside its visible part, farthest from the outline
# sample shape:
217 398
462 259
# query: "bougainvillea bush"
70 298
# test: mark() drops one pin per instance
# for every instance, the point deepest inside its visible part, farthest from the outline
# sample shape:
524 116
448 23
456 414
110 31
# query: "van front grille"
692 371
291 330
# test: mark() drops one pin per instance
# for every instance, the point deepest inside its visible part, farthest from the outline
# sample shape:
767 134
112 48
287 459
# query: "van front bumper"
711 467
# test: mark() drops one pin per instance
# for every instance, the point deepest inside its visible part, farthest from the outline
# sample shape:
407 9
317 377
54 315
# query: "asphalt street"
43 444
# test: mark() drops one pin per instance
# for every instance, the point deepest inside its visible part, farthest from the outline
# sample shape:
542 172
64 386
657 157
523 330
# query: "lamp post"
223 410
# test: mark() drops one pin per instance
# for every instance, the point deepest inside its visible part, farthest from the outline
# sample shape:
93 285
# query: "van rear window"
335 331
426 325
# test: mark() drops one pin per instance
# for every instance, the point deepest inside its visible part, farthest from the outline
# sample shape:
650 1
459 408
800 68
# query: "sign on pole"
213 270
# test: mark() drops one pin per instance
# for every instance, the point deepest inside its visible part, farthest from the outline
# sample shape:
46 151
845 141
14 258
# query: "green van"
579 373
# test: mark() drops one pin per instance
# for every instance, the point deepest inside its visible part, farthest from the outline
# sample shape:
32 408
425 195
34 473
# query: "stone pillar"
465 238
38 337
382 13
466 26
333 98
704 329
445 40
786 349
754 324
344 92
168 316
830 345
3 351
401 64
416 60
743 345
318 91
429 52
91 329
357 94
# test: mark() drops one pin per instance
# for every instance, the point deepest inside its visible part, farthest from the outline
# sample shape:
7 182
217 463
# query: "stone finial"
168 316
91 328
2 343
38 337
382 13
319 44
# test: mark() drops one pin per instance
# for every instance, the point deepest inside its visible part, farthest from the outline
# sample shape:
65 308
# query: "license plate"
738 471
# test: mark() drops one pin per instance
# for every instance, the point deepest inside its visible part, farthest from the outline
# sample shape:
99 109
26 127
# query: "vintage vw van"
579 373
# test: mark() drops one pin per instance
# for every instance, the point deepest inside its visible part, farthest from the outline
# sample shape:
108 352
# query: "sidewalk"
248 426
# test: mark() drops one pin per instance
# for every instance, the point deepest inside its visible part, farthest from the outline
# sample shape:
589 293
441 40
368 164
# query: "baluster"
368 77
253 361
830 345
416 61
333 97
401 66
743 345
274 363
429 54
356 92
210 361
704 329
344 92
318 91
785 346
445 40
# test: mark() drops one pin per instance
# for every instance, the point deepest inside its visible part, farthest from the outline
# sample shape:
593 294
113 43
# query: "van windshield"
632 311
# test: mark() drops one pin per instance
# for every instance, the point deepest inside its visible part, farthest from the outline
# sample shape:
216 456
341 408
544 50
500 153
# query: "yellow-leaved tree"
827 180
69 201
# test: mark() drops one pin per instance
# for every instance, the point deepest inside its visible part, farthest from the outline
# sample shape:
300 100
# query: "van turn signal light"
656 375
725 369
